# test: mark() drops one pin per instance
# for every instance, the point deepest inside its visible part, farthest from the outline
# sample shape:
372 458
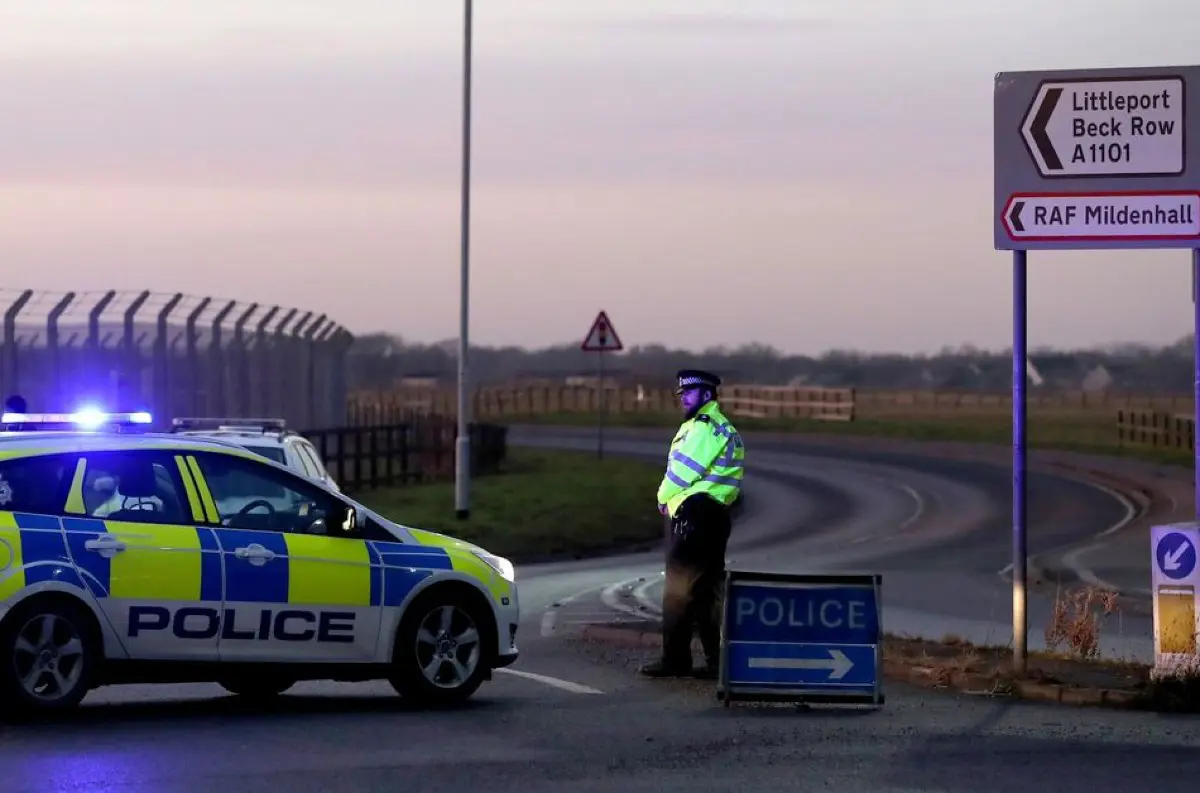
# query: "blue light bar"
84 419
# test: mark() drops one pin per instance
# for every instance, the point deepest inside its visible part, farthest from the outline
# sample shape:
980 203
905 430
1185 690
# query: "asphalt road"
938 530
573 713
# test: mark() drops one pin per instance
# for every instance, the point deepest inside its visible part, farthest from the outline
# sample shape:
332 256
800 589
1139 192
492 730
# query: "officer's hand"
662 509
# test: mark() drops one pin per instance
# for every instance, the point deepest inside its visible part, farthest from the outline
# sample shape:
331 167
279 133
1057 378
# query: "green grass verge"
540 505
1090 433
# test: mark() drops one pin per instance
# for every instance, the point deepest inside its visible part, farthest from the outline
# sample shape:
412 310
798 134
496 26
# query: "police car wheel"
49 652
256 688
441 654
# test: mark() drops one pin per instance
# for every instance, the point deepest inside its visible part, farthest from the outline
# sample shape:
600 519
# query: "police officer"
703 479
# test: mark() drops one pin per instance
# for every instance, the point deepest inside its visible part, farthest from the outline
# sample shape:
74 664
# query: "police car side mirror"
318 526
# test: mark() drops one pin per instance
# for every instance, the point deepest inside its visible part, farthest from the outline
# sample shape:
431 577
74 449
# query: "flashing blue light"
85 418
88 418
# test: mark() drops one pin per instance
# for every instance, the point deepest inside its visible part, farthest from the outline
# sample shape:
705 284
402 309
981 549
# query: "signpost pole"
600 433
1020 619
462 444
1196 377
601 338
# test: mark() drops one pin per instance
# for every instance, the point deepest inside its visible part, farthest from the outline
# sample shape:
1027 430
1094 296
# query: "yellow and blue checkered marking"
32 551
187 563
183 563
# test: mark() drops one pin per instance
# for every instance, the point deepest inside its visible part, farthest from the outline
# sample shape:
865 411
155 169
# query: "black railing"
418 451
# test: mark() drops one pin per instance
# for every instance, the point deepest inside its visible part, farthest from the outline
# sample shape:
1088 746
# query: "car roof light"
87 419
184 424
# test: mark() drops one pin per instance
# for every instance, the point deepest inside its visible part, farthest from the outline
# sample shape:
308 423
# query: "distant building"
1098 380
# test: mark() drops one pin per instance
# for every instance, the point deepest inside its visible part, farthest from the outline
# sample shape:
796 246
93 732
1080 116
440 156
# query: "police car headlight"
499 564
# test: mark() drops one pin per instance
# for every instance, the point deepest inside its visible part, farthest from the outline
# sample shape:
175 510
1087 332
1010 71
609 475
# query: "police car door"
298 585
130 523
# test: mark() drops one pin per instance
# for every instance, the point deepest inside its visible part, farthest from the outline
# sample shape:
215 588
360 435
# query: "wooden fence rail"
1156 429
419 450
492 403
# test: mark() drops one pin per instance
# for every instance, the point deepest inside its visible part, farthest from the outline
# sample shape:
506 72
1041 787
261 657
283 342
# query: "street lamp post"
462 445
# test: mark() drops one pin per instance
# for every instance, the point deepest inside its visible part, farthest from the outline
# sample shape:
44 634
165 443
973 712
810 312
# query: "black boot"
662 668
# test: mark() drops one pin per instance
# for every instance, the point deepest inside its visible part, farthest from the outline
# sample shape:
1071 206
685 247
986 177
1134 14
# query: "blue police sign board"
806 638
1176 556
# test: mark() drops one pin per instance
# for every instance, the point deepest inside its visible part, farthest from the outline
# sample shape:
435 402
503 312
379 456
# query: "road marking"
550 615
611 597
1072 558
910 520
643 599
553 682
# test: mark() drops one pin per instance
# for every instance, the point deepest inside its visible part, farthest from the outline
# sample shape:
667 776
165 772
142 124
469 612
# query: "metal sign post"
601 338
1088 160
801 638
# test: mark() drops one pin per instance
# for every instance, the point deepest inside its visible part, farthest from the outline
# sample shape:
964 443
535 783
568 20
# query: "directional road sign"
1097 158
813 638
1175 579
1095 217
1118 127
1176 555
602 336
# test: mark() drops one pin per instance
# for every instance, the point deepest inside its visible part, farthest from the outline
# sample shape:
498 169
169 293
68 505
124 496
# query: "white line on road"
550 615
643 599
1072 558
910 520
554 682
611 597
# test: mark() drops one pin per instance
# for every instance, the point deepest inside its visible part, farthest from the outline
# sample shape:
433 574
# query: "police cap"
696 378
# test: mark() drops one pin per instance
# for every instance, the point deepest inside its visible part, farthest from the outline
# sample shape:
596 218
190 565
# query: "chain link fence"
174 355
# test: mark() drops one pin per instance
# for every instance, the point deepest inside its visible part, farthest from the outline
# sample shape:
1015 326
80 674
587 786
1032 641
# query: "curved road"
573 714
938 530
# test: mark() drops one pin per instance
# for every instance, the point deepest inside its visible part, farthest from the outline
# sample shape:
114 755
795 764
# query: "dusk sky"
805 173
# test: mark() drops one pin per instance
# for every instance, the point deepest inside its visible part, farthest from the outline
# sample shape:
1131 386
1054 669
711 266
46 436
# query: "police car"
133 557
269 437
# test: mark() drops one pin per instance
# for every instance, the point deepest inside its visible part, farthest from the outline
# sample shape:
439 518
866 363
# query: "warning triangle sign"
602 337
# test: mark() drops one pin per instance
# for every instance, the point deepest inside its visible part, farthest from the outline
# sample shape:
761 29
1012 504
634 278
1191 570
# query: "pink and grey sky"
805 173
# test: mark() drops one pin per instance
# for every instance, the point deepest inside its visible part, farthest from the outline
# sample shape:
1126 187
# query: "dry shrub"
1076 621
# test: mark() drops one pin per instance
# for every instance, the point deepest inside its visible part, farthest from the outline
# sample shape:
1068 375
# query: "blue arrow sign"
1176 555
798 635
803 665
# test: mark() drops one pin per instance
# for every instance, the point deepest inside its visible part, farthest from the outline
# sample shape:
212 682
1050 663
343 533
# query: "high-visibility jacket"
707 456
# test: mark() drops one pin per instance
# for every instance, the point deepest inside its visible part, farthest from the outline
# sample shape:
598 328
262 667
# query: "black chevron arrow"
1037 130
1014 216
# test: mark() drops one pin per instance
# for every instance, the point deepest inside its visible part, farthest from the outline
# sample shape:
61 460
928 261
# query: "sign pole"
601 338
1020 618
600 434
1196 365
462 444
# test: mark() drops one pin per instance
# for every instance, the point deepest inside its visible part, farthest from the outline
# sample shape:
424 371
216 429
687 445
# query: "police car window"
36 484
309 453
137 486
249 495
305 463
270 452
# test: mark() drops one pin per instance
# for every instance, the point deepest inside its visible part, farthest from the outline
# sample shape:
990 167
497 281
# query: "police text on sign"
802 613
1107 128
1116 216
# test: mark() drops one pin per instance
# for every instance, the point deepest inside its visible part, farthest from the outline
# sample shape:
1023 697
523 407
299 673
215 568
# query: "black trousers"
695 576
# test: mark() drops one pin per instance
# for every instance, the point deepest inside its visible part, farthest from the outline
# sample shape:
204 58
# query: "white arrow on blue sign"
1176 556
837 664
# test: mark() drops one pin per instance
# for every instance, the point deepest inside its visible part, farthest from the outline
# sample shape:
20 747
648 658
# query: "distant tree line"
384 361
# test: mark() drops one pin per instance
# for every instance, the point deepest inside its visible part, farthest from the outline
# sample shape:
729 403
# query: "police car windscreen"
270 452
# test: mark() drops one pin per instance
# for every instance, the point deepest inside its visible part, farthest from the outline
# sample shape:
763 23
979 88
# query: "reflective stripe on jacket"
707 456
